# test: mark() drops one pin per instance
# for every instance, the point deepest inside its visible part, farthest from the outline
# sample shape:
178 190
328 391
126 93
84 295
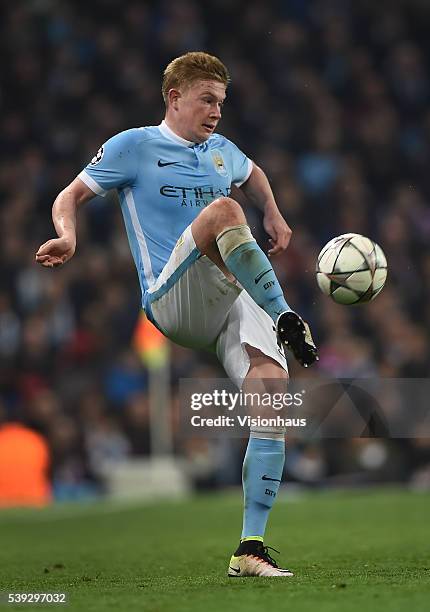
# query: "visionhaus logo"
246 421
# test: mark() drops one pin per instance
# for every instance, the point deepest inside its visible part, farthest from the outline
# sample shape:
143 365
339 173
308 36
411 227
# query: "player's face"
199 109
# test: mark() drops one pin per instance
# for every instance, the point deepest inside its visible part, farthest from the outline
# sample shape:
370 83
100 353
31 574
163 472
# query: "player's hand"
56 252
279 232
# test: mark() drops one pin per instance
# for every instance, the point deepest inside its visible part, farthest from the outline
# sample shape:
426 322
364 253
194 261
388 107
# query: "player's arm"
114 166
57 251
257 189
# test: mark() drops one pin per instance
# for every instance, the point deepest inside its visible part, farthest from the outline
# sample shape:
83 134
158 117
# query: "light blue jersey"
163 182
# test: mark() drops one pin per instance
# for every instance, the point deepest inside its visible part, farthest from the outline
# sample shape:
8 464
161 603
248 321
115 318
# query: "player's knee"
226 212
220 215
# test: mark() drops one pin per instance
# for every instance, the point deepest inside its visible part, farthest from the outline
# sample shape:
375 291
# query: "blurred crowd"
330 97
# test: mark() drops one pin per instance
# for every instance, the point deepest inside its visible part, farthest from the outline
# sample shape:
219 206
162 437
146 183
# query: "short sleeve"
114 165
241 164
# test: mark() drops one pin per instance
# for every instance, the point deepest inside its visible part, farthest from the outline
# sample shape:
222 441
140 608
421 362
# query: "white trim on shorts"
195 305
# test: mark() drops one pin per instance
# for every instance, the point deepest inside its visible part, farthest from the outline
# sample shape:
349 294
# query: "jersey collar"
170 134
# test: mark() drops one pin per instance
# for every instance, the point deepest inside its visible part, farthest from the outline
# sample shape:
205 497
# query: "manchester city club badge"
219 163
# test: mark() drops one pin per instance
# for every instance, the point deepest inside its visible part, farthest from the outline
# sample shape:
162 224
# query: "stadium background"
330 98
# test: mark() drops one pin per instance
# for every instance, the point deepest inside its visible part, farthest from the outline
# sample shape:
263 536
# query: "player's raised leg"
221 233
261 476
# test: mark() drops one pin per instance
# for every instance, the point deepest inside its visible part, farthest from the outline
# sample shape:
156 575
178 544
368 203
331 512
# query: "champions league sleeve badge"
97 157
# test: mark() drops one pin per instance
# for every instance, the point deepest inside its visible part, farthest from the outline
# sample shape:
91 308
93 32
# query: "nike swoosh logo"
267 478
235 570
260 276
162 164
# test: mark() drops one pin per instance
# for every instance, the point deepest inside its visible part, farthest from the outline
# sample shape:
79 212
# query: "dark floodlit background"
331 98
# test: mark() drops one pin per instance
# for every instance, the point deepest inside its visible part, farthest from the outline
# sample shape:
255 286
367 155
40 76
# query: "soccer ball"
351 269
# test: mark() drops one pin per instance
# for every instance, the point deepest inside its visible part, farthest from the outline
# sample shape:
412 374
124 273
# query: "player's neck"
177 131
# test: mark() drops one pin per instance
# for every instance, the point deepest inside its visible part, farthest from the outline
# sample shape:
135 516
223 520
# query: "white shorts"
195 305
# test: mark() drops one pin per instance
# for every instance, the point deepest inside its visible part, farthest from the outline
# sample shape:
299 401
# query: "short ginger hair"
193 66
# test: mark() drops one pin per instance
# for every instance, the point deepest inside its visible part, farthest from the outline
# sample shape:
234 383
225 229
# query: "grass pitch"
350 551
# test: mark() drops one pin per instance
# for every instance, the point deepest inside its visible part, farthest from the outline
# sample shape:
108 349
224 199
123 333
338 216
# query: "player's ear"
173 97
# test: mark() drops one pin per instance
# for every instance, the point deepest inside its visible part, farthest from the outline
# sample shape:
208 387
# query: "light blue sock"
253 270
261 476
